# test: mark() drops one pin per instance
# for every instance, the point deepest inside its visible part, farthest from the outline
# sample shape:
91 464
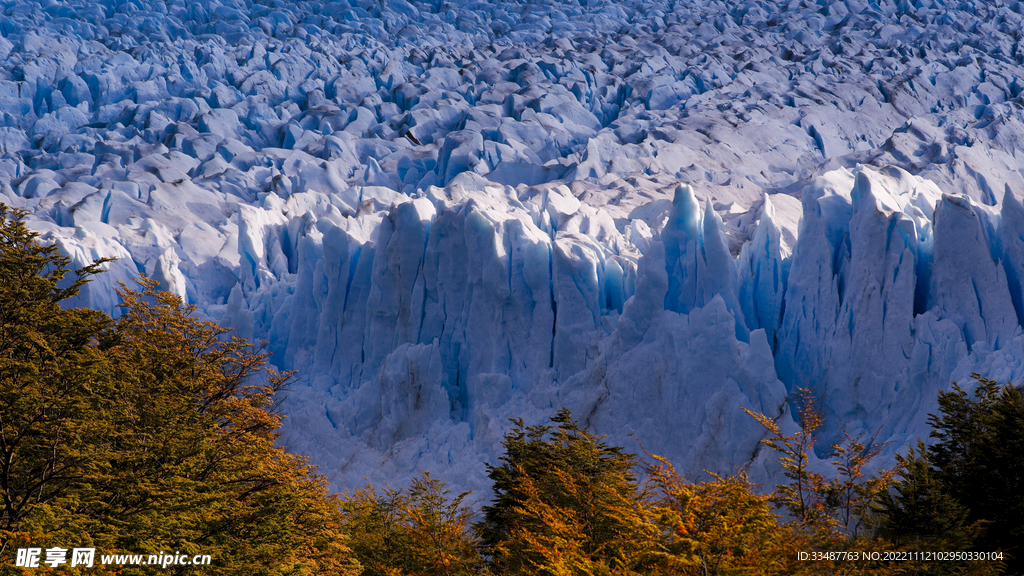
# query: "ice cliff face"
469 308
446 214
465 309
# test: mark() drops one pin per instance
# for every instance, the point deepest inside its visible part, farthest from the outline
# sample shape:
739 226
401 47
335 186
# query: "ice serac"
464 307
763 271
88 246
475 297
968 286
848 327
677 381
395 302
412 397
697 259
1011 224
813 295
892 291
873 339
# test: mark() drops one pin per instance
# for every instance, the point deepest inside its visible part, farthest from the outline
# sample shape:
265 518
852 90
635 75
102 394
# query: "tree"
439 530
421 531
919 514
52 380
828 514
979 456
850 496
716 527
802 497
825 505
375 524
565 503
147 434
965 490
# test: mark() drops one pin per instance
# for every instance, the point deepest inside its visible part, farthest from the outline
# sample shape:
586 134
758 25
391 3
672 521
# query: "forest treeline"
155 432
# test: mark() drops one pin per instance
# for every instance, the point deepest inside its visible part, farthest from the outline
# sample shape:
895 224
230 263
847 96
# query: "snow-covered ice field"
445 214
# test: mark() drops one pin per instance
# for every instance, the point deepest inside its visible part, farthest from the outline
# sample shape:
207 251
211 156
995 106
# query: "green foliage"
919 514
146 434
419 531
964 491
53 382
565 503
196 465
979 456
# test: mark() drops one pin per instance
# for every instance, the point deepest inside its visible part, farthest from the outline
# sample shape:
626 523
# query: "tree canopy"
565 503
148 433
964 491
420 531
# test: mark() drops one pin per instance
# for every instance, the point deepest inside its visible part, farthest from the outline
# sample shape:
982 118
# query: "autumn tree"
421 531
826 505
374 522
802 497
566 503
714 527
53 383
152 433
438 527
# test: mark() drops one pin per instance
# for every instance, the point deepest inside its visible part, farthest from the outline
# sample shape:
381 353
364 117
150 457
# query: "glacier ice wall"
421 328
469 308
499 306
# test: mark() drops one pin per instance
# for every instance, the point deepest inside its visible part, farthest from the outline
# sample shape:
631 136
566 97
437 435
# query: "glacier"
447 214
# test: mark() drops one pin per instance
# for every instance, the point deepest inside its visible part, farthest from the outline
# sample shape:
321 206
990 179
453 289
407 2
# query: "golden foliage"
421 531
147 434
